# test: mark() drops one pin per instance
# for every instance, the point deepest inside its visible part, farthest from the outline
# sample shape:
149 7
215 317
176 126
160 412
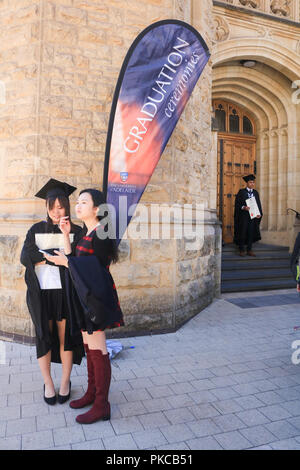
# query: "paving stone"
203 384
68 435
227 406
252 417
264 385
205 396
269 398
275 412
149 439
127 425
99 430
204 411
249 402
10 412
285 444
157 404
257 435
134 395
179 401
174 446
180 415
282 429
21 426
50 421
160 391
25 398
204 427
233 441
224 393
122 442
176 433
35 409
122 385
132 409
90 445
229 422
204 443
37 441
293 407
10 443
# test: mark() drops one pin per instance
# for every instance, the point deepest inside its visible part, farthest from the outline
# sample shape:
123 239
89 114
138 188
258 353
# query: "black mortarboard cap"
55 188
249 178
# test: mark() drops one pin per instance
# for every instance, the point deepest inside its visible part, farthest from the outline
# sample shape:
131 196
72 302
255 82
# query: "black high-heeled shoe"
63 398
51 400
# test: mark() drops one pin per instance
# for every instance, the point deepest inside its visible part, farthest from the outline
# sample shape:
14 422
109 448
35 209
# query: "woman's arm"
65 227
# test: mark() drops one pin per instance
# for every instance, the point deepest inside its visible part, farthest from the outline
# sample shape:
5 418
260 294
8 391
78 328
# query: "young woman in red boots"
93 299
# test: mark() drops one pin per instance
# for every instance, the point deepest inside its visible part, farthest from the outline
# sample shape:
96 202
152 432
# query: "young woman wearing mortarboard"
93 296
46 293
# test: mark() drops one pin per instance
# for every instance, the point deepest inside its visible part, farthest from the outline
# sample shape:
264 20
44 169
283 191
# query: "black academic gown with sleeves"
45 340
242 218
91 289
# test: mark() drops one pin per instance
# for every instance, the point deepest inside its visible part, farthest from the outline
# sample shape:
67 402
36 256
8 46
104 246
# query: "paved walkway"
224 381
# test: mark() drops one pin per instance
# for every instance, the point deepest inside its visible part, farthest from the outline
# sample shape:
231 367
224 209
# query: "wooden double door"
236 158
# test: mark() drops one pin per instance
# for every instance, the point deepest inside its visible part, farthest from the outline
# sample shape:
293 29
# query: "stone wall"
60 61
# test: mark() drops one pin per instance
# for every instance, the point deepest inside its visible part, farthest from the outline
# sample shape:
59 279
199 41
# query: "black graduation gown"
92 294
294 260
242 218
45 340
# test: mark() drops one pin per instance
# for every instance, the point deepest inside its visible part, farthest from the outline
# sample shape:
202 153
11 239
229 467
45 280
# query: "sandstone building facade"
59 62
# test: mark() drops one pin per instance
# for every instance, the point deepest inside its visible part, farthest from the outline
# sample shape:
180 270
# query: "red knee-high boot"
102 373
89 396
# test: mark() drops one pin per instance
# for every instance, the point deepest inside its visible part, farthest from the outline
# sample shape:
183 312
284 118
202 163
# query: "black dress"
93 246
48 304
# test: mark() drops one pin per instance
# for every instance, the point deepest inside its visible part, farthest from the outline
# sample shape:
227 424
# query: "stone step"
253 263
275 255
256 274
253 285
256 247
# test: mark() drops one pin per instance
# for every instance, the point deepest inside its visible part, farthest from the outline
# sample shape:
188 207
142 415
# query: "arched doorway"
236 158
267 92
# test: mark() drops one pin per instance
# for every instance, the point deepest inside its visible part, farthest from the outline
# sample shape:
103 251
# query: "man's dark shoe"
250 253
242 253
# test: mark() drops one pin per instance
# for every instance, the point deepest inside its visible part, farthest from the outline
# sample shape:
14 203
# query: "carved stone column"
273 178
282 179
263 167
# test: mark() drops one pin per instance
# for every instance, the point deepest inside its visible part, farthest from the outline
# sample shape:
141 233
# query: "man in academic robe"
246 230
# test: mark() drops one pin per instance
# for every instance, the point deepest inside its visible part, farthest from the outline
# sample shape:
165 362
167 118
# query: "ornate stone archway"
266 91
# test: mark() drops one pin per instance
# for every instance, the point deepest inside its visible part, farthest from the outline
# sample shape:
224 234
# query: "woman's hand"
59 260
64 225
41 262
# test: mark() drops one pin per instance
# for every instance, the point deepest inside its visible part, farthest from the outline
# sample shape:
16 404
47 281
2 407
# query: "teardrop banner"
156 80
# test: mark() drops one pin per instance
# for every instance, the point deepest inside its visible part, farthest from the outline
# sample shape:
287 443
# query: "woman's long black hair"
98 199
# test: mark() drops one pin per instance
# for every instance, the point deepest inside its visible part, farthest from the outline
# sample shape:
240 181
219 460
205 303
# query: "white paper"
47 241
254 210
48 276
